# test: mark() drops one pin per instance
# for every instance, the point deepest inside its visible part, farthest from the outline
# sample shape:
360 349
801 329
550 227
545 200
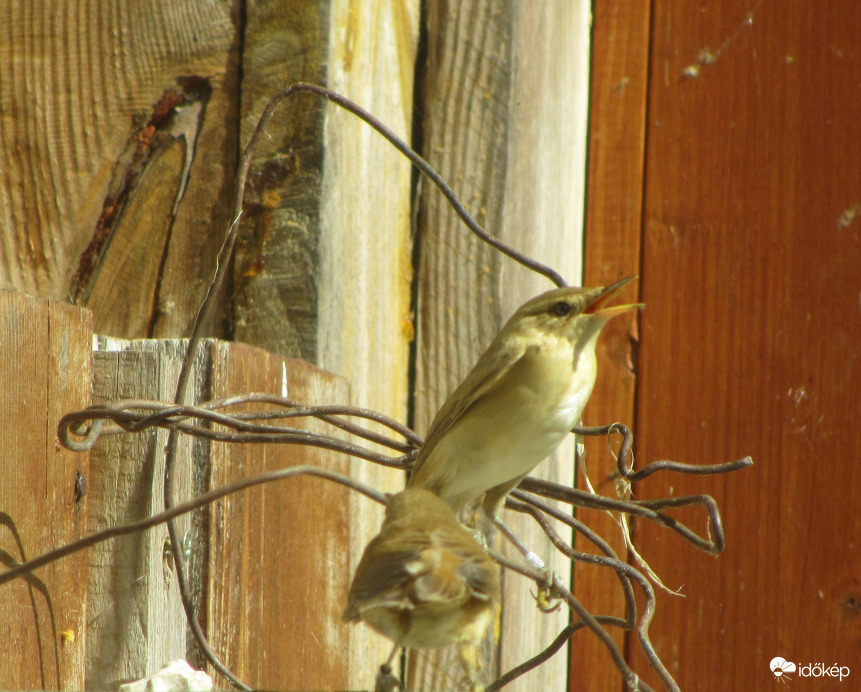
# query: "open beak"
598 304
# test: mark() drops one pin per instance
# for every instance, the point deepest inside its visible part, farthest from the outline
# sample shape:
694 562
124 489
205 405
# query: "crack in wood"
177 114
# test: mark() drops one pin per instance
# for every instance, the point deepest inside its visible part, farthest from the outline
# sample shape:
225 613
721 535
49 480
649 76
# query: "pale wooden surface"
92 203
45 368
136 623
505 122
365 273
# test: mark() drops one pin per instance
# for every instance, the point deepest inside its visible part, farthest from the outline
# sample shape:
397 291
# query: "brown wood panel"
45 368
619 70
749 344
278 566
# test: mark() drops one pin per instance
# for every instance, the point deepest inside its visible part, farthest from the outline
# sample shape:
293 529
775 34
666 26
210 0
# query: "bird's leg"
469 660
545 595
386 680
494 498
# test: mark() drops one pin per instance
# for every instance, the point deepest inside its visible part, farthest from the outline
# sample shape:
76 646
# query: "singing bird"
523 396
424 581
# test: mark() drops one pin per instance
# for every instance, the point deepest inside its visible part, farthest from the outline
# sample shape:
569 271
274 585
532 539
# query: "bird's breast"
506 435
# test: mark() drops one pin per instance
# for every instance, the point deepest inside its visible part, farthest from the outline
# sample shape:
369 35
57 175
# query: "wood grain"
365 272
751 252
278 569
120 123
323 268
277 260
87 119
619 72
45 367
504 122
137 624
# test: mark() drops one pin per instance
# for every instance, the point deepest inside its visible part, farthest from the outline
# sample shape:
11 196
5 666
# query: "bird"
522 397
424 582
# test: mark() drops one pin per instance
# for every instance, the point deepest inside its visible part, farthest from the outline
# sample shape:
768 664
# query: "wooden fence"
724 167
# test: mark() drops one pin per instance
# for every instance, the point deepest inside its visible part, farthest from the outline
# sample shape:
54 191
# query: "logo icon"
780 667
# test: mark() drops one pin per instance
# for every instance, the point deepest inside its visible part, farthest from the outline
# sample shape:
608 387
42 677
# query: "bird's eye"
560 309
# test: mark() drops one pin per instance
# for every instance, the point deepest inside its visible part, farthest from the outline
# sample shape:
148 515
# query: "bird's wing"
475 568
460 569
441 584
489 373
383 575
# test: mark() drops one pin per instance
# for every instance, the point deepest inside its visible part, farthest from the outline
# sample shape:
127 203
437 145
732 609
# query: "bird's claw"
547 592
478 535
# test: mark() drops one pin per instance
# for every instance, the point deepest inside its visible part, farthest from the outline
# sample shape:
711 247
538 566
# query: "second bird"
525 393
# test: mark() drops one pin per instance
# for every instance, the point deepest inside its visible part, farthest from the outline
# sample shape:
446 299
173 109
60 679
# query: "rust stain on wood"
129 166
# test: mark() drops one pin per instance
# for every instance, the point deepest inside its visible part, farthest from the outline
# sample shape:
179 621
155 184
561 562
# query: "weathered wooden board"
118 133
274 575
505 92
365 328
136 623
45 368
278 571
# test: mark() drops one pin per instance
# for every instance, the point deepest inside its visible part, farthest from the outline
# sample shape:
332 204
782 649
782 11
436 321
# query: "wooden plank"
365 274
278 592
617 110
323 268
276 254
93 205
137 623
749 343
278 570
45 366
505 120
119 162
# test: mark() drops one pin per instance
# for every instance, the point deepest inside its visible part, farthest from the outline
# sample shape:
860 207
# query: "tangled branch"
213 420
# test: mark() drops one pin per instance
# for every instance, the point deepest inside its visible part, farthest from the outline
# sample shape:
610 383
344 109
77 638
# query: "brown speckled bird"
424 581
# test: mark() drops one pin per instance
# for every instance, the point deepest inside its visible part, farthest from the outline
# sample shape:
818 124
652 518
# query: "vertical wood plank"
466 91
543 211
505 119
364 283
45 365
617 112
323 269
278 567
749 344
277 251
137 623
